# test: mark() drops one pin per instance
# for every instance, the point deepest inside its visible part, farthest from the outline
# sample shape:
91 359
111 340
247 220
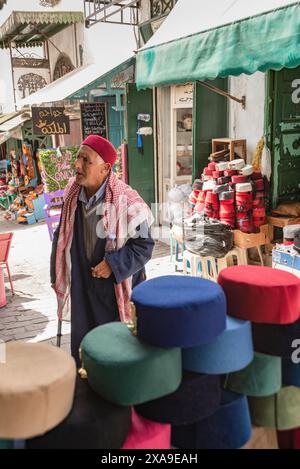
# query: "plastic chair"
5 242
54 202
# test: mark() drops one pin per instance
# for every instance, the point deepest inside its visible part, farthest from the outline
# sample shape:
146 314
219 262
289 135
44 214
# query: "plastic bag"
266 162
207 236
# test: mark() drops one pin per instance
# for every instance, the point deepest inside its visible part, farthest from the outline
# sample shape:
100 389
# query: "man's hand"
102 270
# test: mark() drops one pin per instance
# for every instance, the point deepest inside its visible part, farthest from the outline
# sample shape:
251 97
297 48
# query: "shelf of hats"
209 367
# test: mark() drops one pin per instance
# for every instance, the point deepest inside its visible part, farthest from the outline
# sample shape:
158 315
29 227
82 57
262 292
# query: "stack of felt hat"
193 318
244 207
233 193
36 391
146 370
193 197
289 234
270 299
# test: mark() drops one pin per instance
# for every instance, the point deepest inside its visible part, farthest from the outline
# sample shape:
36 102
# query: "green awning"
32 28
203 40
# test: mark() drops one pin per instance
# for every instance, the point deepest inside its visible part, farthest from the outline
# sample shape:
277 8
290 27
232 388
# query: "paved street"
30 314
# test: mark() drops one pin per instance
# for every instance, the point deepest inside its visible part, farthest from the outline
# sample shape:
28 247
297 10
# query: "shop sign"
50 121
93 119
57 167
120 80
184 95
29 62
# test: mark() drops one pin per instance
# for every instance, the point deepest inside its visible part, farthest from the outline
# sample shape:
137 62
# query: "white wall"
63 41
248 123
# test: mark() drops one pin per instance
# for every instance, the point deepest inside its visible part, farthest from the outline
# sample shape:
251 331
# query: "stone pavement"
30 314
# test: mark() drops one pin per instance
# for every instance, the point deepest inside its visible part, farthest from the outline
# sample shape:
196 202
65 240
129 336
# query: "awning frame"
213 88
50 23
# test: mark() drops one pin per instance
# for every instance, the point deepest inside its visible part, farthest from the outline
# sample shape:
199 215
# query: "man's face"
90 169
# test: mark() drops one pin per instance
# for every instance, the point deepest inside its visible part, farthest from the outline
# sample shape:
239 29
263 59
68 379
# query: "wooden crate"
280 222
251 240
230 144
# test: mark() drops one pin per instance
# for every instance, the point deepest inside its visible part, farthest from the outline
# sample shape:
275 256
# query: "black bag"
207 237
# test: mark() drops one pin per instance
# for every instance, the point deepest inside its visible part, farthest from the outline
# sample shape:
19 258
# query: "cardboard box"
285 261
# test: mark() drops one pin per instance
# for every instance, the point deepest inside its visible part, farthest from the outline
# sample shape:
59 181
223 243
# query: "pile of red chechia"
231 192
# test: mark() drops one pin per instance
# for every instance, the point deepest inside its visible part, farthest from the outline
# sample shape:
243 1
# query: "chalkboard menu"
50 121
94 119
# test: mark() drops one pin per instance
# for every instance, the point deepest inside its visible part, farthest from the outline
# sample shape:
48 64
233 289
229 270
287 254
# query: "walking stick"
59 334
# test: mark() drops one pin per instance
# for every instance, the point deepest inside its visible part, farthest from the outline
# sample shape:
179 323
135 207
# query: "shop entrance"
283 126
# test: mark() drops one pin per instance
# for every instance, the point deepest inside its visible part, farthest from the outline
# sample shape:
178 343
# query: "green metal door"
210 121
284 134
140 163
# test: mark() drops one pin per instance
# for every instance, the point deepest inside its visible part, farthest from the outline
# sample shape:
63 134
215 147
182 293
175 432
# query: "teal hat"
261 378
125 371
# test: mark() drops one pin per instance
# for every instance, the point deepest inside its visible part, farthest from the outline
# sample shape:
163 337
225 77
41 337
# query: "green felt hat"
124 370
280 411
261 378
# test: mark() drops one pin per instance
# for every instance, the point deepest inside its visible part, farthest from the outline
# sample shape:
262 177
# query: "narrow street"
30 314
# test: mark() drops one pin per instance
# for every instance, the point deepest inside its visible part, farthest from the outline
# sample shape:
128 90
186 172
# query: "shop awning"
76 82
4 136
202 40
32 28
8 116
15 122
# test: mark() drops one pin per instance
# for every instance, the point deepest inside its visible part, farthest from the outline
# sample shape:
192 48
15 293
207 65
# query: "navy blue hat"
230 351
197 397
229 428
275 339
179 311
92 424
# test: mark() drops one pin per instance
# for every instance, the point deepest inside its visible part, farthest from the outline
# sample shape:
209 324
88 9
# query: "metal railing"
111 11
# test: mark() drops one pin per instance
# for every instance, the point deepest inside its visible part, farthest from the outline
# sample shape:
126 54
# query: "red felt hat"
103 147
261 294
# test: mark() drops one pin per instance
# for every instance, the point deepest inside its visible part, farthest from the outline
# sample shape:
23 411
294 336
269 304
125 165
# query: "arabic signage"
50 121
120 80
30 62
184 95
93 119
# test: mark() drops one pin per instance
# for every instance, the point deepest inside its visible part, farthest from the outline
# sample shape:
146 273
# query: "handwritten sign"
93 119
50 121
184 95
57 167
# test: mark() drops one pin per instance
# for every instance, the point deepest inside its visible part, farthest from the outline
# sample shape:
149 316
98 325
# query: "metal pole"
13 76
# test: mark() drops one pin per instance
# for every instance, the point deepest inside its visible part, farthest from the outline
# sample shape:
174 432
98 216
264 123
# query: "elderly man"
102 244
